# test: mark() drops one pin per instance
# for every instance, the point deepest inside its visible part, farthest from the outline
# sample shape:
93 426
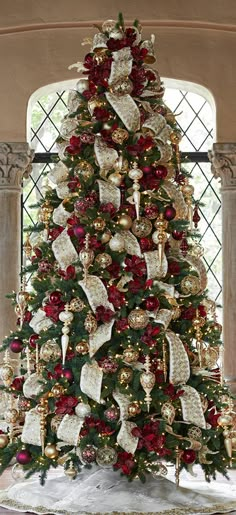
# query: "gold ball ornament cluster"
138 319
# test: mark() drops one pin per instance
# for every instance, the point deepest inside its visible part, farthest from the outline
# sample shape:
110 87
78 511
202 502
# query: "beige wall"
196 41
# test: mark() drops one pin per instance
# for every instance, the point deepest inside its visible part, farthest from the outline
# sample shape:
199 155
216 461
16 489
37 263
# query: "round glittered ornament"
106 456
152 303
169 213
121 87
84 169
88 454
190 285
57 390
103 260
115 178
82 347
130 355
134 409
50 351
142 227
119 136
82 410
99 224
125 375
151 211
117 243
188 456
138 318
112 414
108 365
24 404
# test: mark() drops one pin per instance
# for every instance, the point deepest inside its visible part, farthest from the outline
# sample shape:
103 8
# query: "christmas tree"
119 343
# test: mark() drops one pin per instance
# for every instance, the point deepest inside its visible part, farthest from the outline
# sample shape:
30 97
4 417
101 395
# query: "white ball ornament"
82 410
117 243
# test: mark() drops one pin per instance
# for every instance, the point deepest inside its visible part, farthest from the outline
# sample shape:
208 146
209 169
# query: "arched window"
195 111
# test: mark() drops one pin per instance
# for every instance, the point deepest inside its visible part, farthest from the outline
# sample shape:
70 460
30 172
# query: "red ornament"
161 172
79 231
146 244
89 454
152 303
196 217
177 235
184 246
23 457
67 374
146 169
38 252
169 213
112 414
55 297
33 339
188 456
108 365
151 211
16 345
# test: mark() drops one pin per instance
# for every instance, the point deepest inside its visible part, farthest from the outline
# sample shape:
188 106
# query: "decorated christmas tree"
119 344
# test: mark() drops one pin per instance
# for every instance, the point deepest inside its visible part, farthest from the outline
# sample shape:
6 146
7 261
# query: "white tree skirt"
105 492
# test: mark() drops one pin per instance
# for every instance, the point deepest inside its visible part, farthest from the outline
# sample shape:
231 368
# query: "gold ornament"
119 136
6 374
45 214
225 420
125 375
76 305
136 174
130 355
70 472
57 390
125 221
82 347
84 169
27 247
121 87
178 454
195 433
168 412
106 236
99 224
138 319
90 323
115 178
147 380
190 285
43 411
55 422
4 440
134 409
210 356
103 260
188 190
50 351
51 451
159 237
86 255
199 322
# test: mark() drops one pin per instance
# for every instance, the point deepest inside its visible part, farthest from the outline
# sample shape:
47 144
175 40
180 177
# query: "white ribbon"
109 193
31 429
179 363
40 322
99 337
60 215
69 429
131 243
155 268
192 406
95 292
125 439
91 381
63 250
106 156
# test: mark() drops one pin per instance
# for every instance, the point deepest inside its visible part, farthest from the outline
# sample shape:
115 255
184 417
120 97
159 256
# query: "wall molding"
178 24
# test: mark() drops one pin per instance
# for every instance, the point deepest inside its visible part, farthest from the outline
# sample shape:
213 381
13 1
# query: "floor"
6 480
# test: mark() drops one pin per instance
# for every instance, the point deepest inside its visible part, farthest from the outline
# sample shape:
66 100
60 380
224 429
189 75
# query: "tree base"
104 492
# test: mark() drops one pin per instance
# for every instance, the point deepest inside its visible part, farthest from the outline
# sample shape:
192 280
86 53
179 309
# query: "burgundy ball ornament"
55 297
146 244
151 211
169 213
188 456
112 414
33 339
23 457
88 454
177 235
79 232
152 303
67 374
146 169
161 172
16 345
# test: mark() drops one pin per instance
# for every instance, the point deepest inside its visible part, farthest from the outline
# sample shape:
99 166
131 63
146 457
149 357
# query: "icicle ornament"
66 317
86 257
135 174
147 380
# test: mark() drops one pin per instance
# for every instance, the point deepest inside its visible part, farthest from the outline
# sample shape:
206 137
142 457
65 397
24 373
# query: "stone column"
223 159
15 159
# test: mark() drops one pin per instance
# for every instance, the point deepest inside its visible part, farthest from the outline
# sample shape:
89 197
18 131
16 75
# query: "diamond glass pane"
195 119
